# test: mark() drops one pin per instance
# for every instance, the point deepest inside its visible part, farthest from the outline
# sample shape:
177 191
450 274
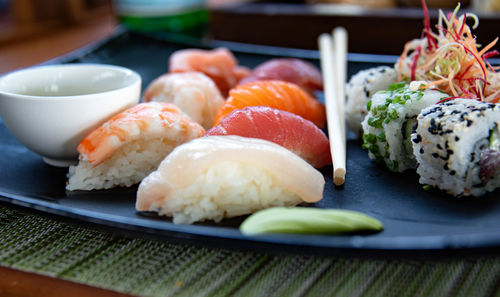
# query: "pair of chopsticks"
333 54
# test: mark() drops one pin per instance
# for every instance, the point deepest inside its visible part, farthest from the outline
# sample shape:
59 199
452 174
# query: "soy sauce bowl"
50 109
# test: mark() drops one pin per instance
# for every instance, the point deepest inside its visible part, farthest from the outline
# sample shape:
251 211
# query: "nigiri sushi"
296 71
276 94
218 64
216 177
193 92
291 131
129 146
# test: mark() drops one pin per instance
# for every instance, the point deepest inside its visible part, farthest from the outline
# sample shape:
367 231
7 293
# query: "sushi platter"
415 219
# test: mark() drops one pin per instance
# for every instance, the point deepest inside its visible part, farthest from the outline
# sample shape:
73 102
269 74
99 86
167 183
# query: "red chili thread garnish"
427 27
464 91
490 54
461 32
418 51
447 99
464 72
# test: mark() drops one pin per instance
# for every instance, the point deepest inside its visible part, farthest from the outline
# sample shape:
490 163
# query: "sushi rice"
226 190
126 167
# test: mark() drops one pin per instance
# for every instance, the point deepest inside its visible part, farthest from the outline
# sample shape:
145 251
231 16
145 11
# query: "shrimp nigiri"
227 176
218 64
296 71
193 92
276 94
129 146
284 128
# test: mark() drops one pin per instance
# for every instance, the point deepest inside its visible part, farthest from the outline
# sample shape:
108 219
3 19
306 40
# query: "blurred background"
32 31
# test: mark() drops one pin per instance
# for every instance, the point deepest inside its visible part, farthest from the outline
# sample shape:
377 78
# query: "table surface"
44 256
48 46
50 256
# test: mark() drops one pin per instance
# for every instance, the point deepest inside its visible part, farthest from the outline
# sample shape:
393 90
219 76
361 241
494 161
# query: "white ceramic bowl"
50 109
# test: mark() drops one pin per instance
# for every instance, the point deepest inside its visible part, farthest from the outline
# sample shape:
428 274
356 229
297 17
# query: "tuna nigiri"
296 71
276 94
218 64
210 178
284 128
130 146
193 92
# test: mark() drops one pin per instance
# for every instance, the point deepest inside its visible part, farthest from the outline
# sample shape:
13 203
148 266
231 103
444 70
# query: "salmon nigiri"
296 71
227 176
284 128
218 64
276 94
130 145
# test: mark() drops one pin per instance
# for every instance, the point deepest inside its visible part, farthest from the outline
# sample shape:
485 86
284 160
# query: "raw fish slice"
193 92
224 176
284 128
276 94
130 146
296 71
218 64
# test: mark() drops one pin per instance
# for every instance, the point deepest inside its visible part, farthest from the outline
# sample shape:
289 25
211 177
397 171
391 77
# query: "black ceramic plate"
414 219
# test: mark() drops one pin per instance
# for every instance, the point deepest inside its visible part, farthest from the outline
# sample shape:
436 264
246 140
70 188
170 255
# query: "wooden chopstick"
333 57
340 51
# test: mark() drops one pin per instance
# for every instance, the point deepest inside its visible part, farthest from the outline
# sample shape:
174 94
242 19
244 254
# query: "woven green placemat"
35 243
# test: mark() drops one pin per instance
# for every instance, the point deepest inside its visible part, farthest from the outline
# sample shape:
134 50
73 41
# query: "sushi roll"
193 92
457 147
216 177
284 128
123 150
360 88
388 125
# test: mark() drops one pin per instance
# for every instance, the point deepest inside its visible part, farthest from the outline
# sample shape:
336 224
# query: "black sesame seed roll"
457 146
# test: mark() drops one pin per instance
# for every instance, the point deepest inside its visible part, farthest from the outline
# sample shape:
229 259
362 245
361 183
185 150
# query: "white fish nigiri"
226 176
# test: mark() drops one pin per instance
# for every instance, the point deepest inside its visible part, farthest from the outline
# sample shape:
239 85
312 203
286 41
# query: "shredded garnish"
450 60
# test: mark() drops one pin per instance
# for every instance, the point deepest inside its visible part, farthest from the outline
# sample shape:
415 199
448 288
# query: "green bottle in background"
187 17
